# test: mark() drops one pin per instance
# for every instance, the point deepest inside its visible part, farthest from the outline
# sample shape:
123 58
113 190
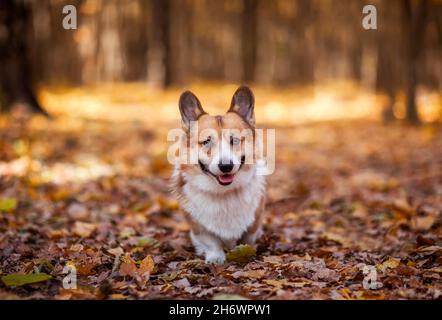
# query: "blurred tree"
249 38
174 42
16 83
413 22
388 79
159 63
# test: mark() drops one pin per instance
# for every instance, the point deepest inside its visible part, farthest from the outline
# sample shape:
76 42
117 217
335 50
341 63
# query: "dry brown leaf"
83 229
78 293
118 251
117 296
78 211
369 295
252 274
346 293
128 267
273 259
423 223
401 205
147 265
429 249
390 263
182 283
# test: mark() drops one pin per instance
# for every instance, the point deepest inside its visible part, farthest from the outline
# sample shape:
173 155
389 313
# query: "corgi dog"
221 193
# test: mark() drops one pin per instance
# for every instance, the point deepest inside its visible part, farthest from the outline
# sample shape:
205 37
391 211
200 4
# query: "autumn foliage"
90 189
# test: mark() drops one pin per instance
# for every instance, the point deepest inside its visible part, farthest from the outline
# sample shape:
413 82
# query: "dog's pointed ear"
190 108
243 103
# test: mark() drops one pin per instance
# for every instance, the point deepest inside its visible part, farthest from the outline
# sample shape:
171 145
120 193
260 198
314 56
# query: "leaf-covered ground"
93 193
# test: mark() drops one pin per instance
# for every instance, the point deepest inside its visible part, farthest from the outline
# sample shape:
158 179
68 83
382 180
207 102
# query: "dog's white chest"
226 216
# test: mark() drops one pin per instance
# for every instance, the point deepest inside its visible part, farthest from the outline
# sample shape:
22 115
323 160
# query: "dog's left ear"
243 103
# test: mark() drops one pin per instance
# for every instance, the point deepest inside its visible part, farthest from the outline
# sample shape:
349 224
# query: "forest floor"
352 202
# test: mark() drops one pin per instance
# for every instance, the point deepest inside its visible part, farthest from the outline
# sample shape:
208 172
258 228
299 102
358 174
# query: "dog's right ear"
190 108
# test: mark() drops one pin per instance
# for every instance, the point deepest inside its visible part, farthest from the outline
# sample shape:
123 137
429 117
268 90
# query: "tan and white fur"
221 196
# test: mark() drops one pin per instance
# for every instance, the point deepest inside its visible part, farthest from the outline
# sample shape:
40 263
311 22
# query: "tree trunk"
159 65
249 25
16 76
413 23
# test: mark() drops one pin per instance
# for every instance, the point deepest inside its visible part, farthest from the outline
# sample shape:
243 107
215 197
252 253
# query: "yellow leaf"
118 296
369 295
79 293
242 253
8 204
275 283
291 216
83 229
147 265
17 280
390 263
423 223
346 293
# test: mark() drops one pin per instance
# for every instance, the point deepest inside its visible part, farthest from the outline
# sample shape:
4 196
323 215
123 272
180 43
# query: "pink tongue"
226 178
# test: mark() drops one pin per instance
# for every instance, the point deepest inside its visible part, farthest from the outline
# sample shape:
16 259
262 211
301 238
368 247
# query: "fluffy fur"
220 216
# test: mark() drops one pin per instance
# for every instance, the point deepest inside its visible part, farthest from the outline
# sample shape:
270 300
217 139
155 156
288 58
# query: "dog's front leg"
255 230
250 237
210 246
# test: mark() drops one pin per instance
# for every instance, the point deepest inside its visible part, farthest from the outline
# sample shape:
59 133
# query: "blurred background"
297 44
109 89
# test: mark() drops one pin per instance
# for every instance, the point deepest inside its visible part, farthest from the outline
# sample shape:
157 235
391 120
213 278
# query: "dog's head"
225 143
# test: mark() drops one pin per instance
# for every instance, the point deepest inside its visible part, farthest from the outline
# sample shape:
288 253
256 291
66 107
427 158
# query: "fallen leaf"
8 204
86 267
117 296
78 211
421 240
118 251
401 205
335 237
76 247
83 229
182 283
369 295
147 265
436 269
241 253
128 267
56 234
281 283
17 280
223 296
126 233
78 293
430 249
252 274
423 223
273 260
326 274
346 293
145 242
390 263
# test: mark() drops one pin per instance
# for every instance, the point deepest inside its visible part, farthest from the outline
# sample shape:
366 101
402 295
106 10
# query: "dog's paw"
215 257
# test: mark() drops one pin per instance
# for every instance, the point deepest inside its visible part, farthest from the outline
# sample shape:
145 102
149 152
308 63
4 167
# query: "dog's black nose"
226 167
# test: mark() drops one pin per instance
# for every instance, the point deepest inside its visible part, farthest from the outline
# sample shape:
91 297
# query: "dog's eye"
234 140
207 142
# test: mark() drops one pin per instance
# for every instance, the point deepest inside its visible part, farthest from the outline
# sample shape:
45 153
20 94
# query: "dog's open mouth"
225 179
